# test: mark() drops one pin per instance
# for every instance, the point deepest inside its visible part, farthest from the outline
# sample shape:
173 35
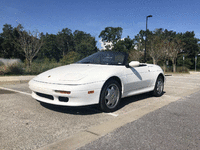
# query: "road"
28 124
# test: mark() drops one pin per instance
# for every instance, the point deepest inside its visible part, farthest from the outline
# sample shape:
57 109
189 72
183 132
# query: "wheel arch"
116 78
162 76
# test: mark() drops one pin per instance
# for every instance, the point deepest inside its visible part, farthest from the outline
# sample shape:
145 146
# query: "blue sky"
92 16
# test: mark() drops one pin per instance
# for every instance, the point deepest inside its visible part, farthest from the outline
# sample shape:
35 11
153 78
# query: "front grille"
63 99
45 95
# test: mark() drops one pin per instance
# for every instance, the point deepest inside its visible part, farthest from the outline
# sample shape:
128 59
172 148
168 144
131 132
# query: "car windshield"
105 58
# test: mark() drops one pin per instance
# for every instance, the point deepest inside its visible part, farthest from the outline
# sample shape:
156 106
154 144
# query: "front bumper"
46 92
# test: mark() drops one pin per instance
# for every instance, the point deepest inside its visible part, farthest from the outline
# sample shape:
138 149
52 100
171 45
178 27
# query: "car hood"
75 74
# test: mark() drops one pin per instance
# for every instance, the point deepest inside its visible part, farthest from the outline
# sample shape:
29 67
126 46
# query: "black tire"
159 87
110 96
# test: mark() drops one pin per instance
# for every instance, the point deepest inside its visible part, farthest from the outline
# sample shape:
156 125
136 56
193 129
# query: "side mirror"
134 64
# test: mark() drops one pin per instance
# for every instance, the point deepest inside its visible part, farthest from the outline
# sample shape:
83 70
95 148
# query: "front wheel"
159 87
110 96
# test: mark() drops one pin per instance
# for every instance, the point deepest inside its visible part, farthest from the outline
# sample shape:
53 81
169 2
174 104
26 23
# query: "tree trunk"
174 64
154 61
164 68
174 67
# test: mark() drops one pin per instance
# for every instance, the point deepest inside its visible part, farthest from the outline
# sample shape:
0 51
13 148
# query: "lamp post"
146 37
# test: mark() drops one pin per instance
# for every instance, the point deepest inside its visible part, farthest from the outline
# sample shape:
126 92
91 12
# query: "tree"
50 48
31 44
70 58
124 45
111 34
156 50
191 45
1 49
65 41
18 52
174 48
140 40
84 44
8 41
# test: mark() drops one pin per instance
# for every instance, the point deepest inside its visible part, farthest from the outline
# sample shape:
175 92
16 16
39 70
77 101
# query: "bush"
182 69
179 69
1 63
70 58
12 69
40 66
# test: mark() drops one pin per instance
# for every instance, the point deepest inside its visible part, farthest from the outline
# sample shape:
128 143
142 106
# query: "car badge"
49 76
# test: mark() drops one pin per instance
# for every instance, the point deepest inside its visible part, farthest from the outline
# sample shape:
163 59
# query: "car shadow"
93 109
79 110
127 100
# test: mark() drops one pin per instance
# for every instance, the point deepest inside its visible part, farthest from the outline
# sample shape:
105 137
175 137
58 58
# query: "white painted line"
188 83
112 114
190 88
15 91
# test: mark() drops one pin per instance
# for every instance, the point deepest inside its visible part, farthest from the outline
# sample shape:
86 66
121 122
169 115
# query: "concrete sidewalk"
15 79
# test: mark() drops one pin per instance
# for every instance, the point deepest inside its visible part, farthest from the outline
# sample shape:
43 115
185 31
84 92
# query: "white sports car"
102 78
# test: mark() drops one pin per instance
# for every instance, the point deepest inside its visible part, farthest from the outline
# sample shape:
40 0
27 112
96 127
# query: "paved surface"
175 126
27 124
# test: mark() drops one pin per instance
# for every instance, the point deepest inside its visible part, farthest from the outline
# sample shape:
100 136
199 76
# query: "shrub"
12 69
1 63
70 58
182 69
40 66
179 69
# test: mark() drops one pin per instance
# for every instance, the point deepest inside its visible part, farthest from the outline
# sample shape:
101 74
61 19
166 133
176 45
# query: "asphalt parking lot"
28 124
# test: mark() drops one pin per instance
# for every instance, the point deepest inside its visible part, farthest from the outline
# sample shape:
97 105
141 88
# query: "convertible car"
102 78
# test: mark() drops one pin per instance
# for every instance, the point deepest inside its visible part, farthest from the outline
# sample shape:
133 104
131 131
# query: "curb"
15 79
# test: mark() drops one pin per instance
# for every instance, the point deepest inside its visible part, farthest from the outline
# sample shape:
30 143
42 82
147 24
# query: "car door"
137 78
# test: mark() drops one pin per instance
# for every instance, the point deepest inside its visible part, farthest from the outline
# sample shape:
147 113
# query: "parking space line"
190 88
111 114
15 91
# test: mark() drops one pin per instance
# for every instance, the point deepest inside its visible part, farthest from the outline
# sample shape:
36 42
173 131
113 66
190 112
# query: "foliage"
50 48
124 45
186 62
43 51
84 44
156 50
40 66
70 58
9 42
12 69
111 34
30 44
1 63
64 40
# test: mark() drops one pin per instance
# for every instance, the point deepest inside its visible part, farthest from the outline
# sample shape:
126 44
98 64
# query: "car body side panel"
137 78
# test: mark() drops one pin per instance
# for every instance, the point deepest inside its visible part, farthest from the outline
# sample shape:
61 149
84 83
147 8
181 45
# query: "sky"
93 16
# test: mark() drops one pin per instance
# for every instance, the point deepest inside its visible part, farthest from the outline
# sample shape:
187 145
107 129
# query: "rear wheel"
159 87
110 96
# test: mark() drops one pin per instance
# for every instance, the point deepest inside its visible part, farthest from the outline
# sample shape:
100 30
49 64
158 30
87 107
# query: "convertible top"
106 58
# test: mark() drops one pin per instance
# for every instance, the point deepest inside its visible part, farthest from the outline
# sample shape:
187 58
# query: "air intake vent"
45 96
63 99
